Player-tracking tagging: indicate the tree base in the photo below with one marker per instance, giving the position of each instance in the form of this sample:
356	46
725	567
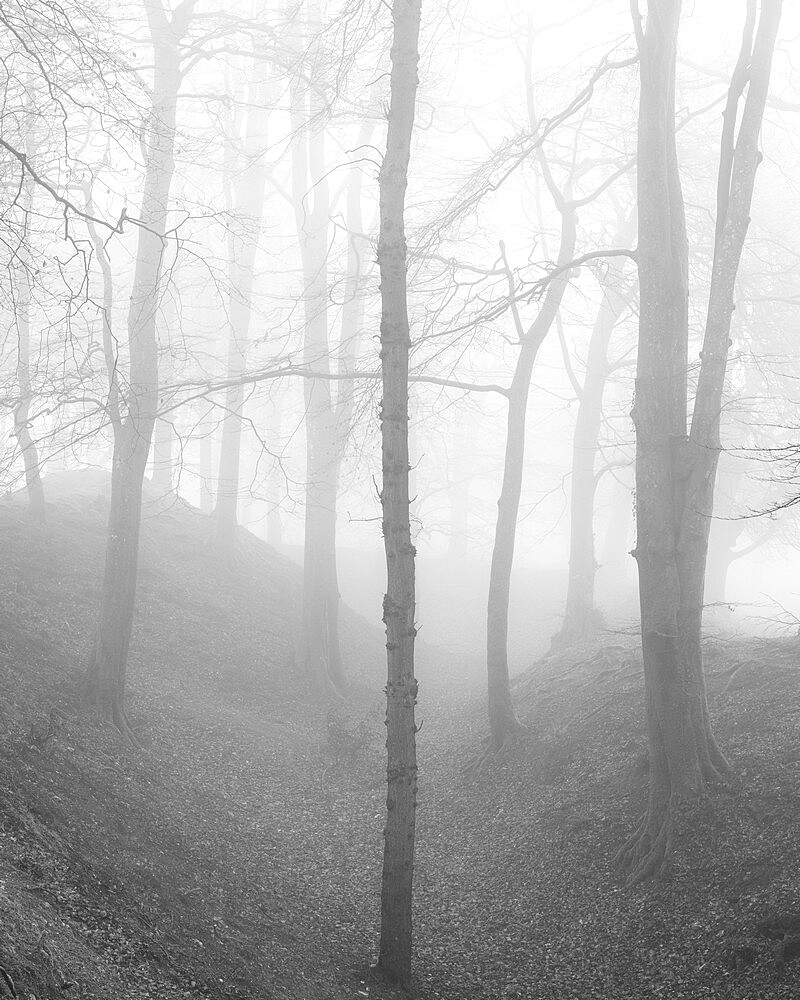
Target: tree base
645	853
109	711
578	629
380	976
496	745
226	549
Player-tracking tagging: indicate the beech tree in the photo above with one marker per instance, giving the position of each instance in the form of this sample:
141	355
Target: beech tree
503	722
105	679
580	613
676	470
394	959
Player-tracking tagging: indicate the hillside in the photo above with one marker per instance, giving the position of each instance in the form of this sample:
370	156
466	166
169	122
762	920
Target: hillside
237	852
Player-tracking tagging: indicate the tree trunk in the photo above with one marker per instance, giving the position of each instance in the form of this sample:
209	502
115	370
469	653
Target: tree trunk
318	653
720	559
580	614
105	679
675	472
246	199
22	313
503	722
398	607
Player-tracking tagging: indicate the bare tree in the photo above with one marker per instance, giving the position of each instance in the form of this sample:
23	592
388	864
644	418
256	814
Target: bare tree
676	471
22	272
319	654
394	960
105	679
580	613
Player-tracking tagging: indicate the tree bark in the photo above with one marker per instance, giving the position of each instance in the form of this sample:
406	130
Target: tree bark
394	959
675	472
105	679
503	722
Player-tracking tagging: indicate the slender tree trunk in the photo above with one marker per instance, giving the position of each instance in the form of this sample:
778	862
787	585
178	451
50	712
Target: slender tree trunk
503	722
22	313
247	200
580	614
675	472
22	409
105	680
394	959
318	653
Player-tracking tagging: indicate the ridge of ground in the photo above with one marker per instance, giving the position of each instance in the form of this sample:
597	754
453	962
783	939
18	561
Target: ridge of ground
237	852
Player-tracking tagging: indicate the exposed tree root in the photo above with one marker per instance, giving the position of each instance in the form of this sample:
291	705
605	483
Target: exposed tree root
494	748
644	853
120	721
109	710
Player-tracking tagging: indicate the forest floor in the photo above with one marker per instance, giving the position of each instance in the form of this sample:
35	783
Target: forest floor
236	853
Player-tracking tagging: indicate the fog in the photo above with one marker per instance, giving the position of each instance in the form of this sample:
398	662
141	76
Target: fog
335	330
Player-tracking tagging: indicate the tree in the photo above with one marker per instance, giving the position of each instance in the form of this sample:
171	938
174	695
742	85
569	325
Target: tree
105	679
394	959
580	613
503	722
245	196
675	471
319	655
328	414
22	272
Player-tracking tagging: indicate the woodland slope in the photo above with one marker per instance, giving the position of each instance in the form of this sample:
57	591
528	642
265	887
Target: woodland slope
236	852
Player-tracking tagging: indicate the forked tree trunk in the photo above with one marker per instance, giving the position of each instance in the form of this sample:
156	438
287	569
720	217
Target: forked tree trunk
247	199
580	613
675	473
503	722
394	959
105	679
